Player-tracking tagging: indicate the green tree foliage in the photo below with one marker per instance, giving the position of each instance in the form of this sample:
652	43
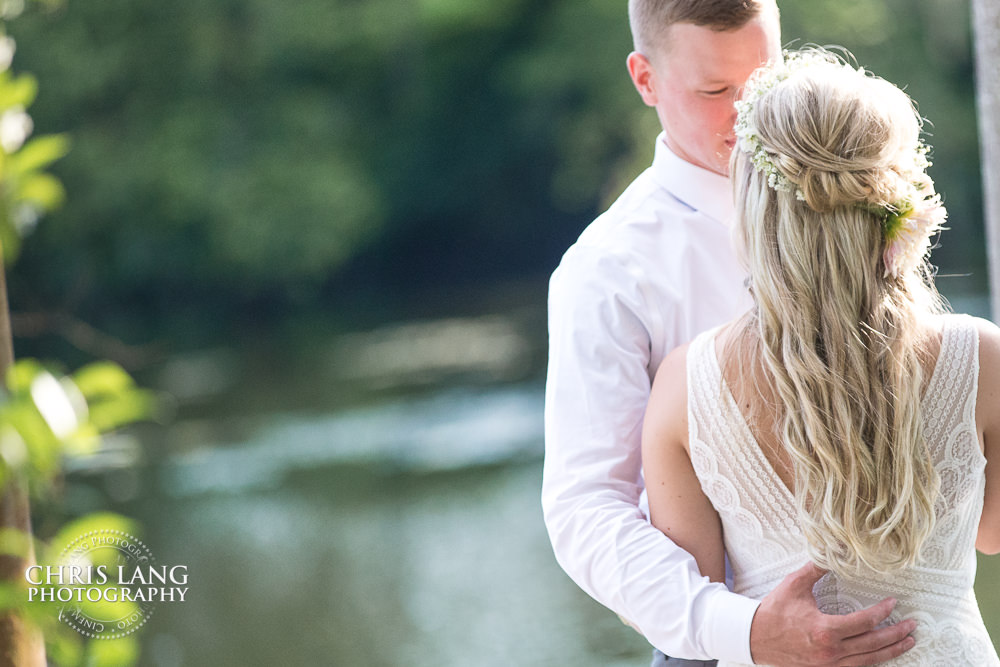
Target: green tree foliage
47	416
241	149
255	145
28	190
64	646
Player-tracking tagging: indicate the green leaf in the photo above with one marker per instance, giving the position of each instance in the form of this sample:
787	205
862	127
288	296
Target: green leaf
90	523
11	595
102	378
124	409
15	542
44	449
9	239
23	431
105	608
20	91
22	374
39	153
84	441
63	648
112	652
43	189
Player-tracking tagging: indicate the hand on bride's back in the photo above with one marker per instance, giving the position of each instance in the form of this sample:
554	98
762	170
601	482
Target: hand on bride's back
789	630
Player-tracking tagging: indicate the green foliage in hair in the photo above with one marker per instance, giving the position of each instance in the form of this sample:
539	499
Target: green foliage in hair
894	218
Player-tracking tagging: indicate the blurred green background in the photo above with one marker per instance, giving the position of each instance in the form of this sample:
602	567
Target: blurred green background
324	228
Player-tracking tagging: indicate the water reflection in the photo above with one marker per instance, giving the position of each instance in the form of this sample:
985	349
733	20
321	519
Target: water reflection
397	527
452	429
398	523
355	567
423	351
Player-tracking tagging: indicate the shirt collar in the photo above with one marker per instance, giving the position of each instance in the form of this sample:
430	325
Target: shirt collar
703	190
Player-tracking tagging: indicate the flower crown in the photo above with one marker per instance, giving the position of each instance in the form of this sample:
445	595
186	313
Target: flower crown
907	225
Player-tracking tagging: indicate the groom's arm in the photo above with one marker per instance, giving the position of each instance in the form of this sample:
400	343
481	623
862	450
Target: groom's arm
596	393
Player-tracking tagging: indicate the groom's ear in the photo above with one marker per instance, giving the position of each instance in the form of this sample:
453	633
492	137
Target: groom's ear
641	71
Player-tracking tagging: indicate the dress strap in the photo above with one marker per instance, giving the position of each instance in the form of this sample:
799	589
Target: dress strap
950	398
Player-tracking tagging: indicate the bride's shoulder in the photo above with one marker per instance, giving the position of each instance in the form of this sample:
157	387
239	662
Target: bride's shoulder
989	353
988	387
673	369
936	323
665	420
989	343
987	331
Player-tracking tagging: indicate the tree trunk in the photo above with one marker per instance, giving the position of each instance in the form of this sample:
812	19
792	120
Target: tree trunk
20	645
986	26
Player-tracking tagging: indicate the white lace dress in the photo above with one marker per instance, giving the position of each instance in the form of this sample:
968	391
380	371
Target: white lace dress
764	542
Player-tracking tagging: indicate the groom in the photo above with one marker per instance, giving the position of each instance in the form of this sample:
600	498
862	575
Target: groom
649	274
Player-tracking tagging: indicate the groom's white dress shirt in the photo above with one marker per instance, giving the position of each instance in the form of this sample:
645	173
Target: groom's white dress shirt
649	274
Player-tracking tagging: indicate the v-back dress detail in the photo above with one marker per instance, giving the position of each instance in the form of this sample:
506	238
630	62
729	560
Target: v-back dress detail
763	539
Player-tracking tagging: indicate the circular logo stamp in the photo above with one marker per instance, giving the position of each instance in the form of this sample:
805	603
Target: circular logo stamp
121	615
107	584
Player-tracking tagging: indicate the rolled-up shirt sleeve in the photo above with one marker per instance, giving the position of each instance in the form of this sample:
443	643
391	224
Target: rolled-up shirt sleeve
598	383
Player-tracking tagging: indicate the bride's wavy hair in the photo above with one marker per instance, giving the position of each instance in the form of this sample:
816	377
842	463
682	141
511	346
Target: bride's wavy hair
835	332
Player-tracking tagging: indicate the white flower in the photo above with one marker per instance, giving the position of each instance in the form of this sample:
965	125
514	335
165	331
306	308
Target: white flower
760	82
908	244
7	47
908	224
10	9
60	403
15	127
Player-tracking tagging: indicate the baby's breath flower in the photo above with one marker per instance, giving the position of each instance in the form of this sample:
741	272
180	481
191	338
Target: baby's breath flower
906	225
760	82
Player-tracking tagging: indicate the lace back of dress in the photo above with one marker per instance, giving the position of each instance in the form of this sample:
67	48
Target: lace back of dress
764	542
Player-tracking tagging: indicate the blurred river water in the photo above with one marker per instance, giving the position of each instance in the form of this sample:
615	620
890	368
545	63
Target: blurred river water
376	504
371	499
413	537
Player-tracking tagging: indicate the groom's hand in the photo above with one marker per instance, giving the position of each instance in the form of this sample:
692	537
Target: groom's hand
789	630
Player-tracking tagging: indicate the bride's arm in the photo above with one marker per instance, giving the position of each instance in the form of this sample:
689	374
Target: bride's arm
677	505
988	421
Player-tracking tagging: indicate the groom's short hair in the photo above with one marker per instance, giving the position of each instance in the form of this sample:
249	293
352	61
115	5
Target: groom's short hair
650	19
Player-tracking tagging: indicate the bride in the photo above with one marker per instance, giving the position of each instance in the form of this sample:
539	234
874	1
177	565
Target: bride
845	420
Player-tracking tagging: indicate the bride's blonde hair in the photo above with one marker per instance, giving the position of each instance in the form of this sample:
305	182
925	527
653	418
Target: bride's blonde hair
830	162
